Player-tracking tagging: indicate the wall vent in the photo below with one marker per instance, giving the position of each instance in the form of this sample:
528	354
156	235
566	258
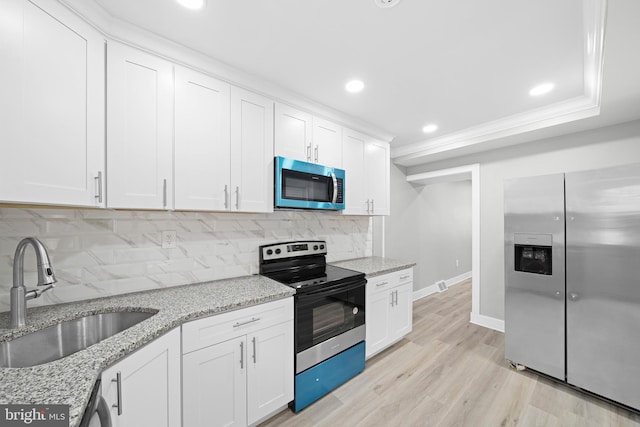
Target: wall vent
386	3
442	285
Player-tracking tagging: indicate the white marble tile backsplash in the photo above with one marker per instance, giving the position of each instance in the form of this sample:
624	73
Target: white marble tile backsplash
99	253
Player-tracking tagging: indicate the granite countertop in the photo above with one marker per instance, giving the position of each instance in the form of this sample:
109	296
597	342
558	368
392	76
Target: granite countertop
70	380
374	266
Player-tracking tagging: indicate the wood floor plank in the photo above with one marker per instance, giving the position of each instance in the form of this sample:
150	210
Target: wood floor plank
449	372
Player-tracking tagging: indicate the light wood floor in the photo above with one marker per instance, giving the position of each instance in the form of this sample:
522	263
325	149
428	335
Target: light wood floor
449	372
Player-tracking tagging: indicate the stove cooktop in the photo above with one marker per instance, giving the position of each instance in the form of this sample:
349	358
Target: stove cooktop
315	276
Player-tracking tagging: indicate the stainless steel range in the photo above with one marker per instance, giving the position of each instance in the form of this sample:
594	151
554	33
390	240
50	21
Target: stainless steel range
329	316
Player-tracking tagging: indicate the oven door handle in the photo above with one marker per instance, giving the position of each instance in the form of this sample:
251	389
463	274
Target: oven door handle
342	287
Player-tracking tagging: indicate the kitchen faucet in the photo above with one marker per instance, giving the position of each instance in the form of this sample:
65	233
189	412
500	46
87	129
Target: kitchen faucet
19	294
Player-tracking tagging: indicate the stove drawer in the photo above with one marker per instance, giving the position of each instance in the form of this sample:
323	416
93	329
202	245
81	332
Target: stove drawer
214	329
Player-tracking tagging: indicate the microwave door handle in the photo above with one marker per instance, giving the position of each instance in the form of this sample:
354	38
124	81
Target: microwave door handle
335	188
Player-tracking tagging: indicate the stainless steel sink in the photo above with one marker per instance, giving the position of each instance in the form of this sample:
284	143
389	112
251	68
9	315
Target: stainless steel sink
65	338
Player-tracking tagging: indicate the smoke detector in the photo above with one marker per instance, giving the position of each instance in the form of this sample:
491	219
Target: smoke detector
386	3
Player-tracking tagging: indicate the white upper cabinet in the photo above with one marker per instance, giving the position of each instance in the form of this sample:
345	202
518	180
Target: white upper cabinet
139	129
51	107
293	133
353	144
367	173
327	143
377	163
202	143
301	136
251	152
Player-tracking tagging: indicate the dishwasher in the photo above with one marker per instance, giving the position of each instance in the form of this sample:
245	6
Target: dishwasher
97	412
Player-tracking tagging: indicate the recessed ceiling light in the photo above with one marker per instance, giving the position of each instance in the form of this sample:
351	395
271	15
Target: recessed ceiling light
192	4
354	86
386	3
541	89
430	128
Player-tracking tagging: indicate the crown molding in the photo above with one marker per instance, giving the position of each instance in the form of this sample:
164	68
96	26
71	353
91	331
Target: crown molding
117	30
475	138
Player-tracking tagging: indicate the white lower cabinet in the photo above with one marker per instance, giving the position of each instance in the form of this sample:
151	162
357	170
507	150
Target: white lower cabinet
389	309
237	367
143	389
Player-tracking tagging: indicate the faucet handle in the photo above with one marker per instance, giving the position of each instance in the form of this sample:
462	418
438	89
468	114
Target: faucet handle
35	293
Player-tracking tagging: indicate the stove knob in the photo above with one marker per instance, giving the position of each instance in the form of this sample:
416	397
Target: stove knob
269	251
315	247
321	246
278	251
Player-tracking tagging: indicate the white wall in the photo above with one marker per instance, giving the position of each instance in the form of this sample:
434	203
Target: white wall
604	147
445	231
96	252
431	226
400	232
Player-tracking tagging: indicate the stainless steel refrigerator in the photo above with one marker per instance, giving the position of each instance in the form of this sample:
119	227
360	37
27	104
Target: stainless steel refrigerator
572	261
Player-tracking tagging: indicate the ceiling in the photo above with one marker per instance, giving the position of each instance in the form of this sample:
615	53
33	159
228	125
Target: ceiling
464	65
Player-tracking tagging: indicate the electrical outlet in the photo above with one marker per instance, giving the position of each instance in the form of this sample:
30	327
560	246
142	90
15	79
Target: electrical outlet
169	239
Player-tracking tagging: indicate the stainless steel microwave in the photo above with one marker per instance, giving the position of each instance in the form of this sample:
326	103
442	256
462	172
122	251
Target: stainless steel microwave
305	185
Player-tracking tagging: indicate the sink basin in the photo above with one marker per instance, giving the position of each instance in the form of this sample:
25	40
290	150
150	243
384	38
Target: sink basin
65	338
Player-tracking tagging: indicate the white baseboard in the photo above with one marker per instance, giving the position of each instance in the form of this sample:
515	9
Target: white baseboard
424	292
458	279
487	322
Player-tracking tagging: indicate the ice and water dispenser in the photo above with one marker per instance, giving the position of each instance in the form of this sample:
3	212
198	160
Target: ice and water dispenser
533	253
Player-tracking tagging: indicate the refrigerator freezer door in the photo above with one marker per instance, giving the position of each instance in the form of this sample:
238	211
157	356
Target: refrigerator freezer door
603	282
535	303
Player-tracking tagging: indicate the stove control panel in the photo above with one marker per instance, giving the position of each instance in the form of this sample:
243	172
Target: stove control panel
293	249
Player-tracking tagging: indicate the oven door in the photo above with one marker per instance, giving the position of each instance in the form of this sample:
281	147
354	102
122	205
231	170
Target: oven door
329	312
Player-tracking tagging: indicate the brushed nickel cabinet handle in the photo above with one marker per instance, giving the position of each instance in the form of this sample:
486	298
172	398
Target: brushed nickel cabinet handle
226	196
241	354
164	193
254	350
253	319
237	198
98	180
118	381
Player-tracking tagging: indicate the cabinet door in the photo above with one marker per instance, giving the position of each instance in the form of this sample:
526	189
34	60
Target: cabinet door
270	378
327	140
139	129
293	133
52	105
377	321
149	385
377	172
401	314
202	145
353	144
214	387
251	152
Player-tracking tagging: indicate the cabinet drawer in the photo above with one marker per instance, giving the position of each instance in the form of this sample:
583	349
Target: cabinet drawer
211	330
382	283
405	276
